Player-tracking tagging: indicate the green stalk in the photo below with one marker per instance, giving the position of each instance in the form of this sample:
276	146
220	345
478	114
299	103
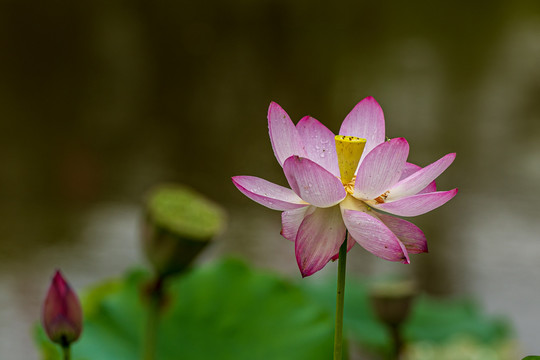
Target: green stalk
66	351
342	264
154	305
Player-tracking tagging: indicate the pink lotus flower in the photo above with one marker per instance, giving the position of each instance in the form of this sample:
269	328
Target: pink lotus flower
325	202
62	313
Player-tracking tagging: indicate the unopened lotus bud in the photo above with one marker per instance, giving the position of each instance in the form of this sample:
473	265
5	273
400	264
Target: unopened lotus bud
62	313
180	223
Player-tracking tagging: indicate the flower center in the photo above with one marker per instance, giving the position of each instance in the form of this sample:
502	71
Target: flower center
353	203
349	187
349	150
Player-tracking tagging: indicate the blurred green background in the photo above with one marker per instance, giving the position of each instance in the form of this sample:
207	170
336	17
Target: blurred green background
100	100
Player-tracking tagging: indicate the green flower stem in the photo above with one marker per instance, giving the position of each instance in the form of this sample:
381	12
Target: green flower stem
154	306
396	340
66	351
342	264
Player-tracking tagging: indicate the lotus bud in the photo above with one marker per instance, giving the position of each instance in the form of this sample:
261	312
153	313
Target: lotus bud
62	313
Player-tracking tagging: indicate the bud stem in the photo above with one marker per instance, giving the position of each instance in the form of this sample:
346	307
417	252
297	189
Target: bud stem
66	349
154	305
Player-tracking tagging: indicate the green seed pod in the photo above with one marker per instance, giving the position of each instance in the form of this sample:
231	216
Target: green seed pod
179	224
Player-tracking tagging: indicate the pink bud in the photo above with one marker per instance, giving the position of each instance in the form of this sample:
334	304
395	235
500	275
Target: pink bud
62	313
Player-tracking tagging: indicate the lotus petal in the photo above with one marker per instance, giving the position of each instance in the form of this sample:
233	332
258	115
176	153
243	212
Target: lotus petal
291	220
284	136
374	236
420	179
409	234
313	183
366	120
271	195
411	169
319	143
417	204
319	237
381	169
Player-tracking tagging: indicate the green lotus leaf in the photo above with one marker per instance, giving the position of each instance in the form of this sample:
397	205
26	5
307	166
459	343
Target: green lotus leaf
220	311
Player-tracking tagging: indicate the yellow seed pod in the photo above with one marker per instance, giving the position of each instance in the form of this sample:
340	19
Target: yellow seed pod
349	150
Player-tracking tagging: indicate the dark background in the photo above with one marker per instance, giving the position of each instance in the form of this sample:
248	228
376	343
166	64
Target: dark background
100	100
